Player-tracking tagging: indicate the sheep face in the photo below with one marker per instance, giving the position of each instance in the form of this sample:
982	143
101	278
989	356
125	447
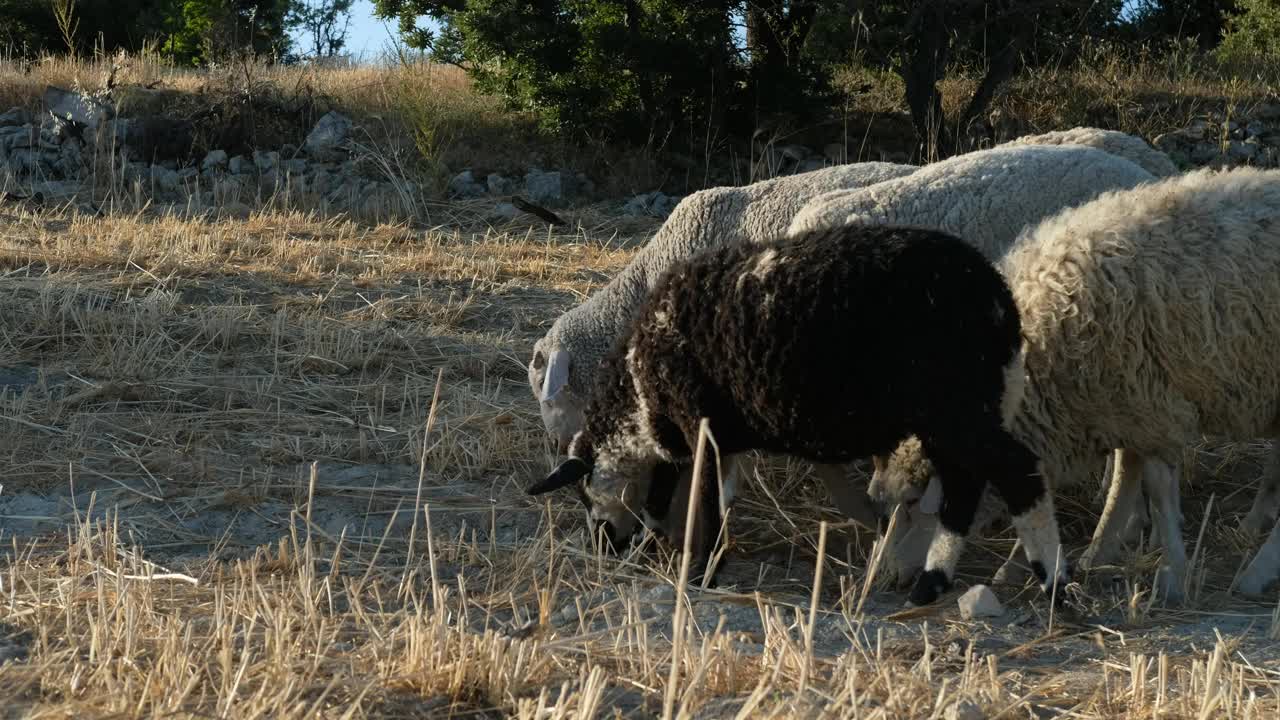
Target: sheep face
561	408
613	486
905	477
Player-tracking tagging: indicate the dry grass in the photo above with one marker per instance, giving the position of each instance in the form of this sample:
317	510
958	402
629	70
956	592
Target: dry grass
270	466
223	432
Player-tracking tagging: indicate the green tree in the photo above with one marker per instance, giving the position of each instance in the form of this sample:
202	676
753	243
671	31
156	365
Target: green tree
1252	33
210	30
324	22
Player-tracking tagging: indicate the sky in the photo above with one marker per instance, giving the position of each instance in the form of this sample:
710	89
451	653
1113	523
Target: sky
368	34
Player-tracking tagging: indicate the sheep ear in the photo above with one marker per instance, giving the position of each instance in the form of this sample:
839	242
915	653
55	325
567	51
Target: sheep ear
568	473
931	501
557	374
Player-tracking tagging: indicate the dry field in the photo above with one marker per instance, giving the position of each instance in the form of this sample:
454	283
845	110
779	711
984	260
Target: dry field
272	467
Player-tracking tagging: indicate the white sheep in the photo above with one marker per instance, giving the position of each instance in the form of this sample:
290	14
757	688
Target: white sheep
1130	147
1152	319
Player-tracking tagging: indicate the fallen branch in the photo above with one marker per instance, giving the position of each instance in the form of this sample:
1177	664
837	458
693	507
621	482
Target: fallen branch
545	214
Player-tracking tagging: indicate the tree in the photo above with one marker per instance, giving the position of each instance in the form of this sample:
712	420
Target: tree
1205	21
325	23
210	30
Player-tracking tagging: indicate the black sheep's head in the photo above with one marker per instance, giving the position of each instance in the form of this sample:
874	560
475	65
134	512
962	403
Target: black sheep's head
620	497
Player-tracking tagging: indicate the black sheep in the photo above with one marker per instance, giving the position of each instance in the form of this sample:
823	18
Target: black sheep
830	346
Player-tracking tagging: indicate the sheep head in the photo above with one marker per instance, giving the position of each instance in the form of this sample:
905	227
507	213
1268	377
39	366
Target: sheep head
905	477
615	485
561	409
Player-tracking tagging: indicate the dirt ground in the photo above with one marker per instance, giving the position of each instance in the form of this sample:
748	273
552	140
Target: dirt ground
273	468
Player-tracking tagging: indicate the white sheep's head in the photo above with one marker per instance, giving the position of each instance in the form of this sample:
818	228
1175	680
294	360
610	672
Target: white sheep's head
562	410
621	491
905	477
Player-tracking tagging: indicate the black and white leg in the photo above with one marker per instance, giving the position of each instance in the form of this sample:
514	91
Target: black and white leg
962	486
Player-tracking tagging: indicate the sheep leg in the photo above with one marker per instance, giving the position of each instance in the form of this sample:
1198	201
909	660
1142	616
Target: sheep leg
1123	495
1018	481
850	501
961	490
1161	484
1264	568
1266	504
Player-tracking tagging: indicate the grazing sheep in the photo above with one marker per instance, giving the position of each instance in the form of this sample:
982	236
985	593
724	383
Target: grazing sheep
985	197
1152	318
566	360
765	341
1132	148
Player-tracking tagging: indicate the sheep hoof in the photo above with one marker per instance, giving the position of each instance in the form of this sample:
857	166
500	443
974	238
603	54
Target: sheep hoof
1169	586
929	587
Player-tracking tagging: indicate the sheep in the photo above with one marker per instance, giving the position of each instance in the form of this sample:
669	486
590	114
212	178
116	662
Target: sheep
1151	318
1132	148
764	340
566	360
985	197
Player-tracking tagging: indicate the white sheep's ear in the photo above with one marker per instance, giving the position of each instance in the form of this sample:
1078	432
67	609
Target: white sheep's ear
931	501
557	374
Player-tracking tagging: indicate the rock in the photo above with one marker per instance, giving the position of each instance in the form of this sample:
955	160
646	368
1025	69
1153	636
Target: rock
163	178
499	185
328	139
464	186
545	188
835	153
266	161
18	137
76	106
654	204
979	602
504	211
15	117
188	173
794	153
1241	151
321	182
1267	111
289	150
1255	129
295	167
214	160
237	165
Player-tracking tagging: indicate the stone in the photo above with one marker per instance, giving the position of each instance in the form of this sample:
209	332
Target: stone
654	204
835	153
979	602
18	137
1267	111
545	188
15	117
499	185
214	160
328	140
79	107
163	178
504	211
464	186
295	167
289	150
1255	129
1241	151
237	165
321	182
266	161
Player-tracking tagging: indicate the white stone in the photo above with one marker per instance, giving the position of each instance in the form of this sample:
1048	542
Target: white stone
979	602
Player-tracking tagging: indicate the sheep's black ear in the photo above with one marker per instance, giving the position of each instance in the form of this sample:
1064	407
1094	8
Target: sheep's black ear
568	473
